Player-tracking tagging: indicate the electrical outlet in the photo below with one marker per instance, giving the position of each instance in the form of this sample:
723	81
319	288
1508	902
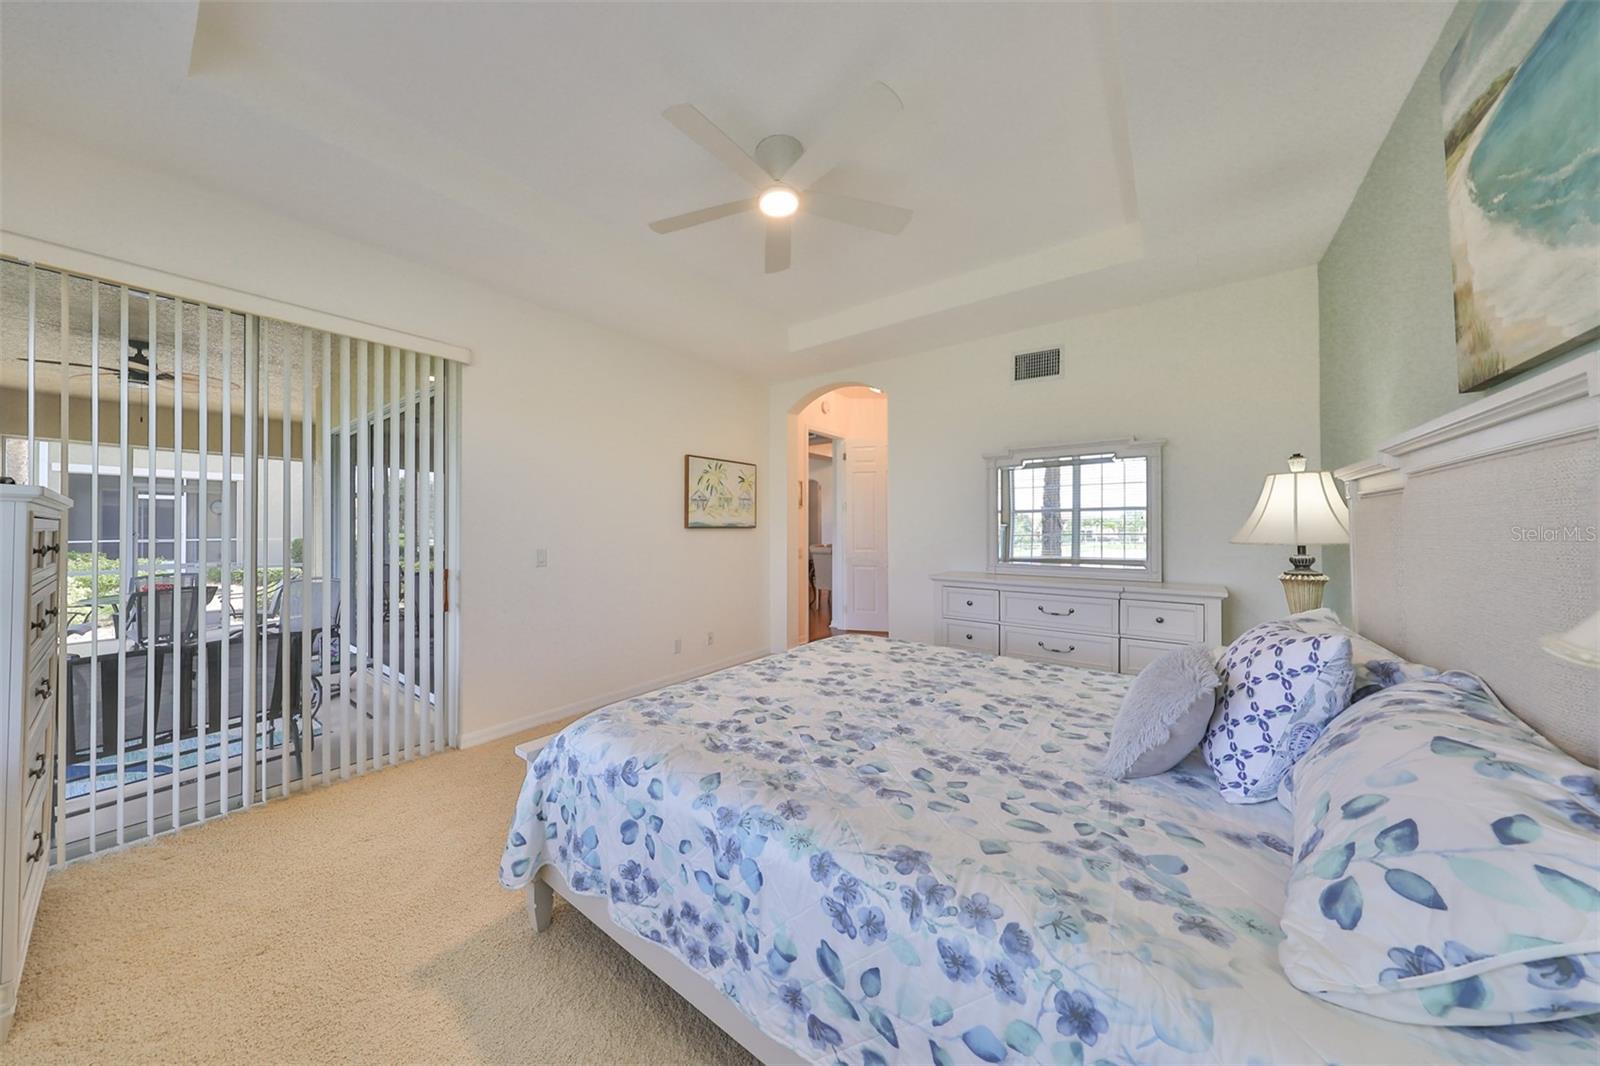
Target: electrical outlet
711	638
677	646
541	557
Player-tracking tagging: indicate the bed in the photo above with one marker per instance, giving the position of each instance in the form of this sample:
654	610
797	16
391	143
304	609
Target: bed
869	850
882	851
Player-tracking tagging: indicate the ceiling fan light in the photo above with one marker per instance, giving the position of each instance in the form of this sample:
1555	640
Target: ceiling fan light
778	202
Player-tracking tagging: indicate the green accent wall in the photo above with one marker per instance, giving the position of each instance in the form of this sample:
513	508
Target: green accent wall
1384	296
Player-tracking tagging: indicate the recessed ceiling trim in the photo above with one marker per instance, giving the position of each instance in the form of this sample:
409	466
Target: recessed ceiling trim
1085	255
1109	59
300	99
482	143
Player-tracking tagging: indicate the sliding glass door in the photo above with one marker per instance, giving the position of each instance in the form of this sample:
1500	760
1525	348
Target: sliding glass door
259	545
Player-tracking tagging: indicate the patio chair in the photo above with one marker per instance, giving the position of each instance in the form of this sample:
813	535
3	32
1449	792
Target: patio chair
274	711
299	593
80	679
132	622
80	618
128	691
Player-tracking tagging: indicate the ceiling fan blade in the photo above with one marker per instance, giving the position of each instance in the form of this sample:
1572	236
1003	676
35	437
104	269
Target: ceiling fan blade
702	131
885	218
705	214
54	362
778	230
870	112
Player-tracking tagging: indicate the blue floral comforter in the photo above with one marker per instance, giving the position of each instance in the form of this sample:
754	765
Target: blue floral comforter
885	851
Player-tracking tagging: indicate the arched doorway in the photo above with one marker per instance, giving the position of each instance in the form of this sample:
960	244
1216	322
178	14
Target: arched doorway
837	574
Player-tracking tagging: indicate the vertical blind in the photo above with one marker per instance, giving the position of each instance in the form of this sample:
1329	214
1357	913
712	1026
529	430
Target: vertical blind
263	530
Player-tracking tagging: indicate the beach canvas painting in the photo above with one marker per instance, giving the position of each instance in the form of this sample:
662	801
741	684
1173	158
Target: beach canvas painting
1522	177
718	493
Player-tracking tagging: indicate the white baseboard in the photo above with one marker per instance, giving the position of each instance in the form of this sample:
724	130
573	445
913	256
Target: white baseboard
474	737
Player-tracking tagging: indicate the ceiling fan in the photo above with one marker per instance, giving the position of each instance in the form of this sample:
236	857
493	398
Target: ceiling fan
138	365
784	172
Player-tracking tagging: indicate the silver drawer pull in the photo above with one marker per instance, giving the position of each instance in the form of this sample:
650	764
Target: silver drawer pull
44	689
1058	614
1059	651
38	771
38	847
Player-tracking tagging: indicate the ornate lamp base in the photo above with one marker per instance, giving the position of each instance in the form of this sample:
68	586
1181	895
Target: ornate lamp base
1303	589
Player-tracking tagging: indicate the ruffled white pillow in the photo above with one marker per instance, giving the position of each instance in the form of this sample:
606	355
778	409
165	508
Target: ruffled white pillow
1164	714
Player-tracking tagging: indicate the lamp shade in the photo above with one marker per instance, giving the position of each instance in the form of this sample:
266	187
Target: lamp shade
1300	507
1580	644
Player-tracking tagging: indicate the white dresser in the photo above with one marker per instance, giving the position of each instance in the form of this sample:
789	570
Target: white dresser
33	542
1103	625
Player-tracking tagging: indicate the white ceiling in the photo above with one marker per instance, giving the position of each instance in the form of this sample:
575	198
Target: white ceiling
1060	158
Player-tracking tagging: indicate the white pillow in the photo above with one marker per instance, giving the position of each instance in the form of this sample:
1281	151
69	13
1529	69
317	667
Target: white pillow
1280	687
1445	864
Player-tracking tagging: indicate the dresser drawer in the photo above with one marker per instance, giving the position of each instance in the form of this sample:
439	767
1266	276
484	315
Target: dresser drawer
1055	610
34	863
1184	623
43	617
42	683
1138	653
974	636
34	760
982	605
1074	649
35	828
44	546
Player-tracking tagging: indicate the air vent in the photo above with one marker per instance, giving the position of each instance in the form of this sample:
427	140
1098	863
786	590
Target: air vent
1031	365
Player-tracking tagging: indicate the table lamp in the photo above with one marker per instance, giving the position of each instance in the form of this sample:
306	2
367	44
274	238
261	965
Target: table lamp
1580	644
1299	508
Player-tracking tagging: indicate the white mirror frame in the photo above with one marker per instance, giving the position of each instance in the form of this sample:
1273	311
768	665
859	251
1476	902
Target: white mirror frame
1122	448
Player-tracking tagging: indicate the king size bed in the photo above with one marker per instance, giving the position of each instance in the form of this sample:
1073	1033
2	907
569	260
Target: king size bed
869	851
882	851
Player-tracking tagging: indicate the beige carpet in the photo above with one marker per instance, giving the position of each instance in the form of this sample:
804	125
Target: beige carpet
359	923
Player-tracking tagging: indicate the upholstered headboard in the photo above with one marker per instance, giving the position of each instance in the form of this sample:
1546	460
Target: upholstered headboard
1475	535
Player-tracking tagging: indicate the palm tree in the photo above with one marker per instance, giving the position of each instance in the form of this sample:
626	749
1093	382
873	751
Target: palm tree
713	482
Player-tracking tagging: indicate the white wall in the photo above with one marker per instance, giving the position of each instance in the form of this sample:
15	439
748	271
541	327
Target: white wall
573	437
1227	376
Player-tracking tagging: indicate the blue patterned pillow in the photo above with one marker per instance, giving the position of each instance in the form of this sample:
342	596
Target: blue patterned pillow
1376	666
1445	864
1281	686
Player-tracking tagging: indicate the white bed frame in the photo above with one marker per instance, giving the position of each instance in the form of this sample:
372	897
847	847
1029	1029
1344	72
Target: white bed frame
1437	575
683	979
1478	532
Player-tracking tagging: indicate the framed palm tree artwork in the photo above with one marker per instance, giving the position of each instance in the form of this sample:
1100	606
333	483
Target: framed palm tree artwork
718	493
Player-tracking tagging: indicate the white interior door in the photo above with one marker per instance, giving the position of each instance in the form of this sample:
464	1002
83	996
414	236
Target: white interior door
864	521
